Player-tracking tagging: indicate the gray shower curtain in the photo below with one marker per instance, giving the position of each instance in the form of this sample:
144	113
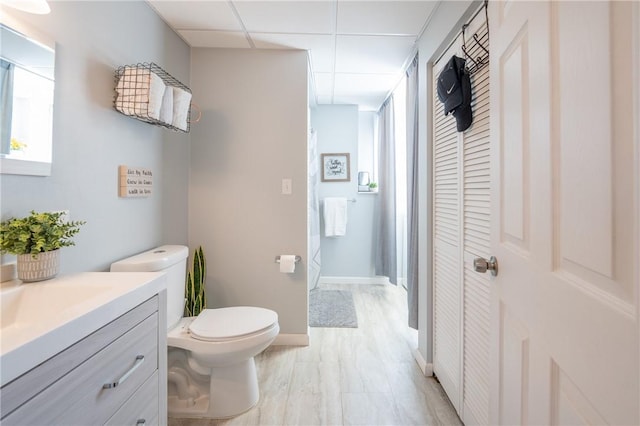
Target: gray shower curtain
412	193
386	253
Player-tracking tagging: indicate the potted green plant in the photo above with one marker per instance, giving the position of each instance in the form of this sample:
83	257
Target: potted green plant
36	240
194	292
373	186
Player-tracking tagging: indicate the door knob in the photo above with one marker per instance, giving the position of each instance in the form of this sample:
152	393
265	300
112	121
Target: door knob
482	265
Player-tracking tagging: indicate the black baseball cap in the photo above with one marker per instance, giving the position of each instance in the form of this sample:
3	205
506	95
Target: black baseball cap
454	90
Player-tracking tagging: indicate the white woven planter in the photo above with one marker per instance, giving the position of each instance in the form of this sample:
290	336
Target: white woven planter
43	267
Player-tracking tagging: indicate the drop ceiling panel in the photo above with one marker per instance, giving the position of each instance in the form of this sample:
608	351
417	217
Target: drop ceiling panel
353	84
383	17
366	90
321	47
222	39
372	54
365	42
312	17
367	102
197	15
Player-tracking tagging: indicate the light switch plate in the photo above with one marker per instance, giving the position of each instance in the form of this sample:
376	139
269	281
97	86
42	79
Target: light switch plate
287	186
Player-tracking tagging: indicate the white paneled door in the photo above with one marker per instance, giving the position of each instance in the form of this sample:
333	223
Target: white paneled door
565	95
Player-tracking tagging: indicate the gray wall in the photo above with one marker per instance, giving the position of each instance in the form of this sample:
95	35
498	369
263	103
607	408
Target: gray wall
91	139
352	254
253	133
444	25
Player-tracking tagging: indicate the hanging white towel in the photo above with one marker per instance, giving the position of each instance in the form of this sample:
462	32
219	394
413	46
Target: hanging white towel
335	216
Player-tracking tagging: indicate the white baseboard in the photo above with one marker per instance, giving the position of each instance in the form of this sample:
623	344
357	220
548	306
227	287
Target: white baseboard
354	280
291	340
427	368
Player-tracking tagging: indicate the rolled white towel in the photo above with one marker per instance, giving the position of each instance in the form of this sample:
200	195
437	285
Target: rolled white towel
133	78
126	88
140	92
131	104
166	110
181	104
156	92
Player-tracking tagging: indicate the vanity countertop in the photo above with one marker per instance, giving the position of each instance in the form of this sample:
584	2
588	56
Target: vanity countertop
40	319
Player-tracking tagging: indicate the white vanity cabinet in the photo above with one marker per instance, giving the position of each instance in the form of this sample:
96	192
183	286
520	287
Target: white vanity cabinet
115	375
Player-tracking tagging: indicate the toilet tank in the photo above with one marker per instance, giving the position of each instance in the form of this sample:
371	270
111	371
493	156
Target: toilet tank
169	259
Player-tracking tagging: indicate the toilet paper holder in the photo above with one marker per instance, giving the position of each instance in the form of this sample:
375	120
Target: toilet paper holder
298	259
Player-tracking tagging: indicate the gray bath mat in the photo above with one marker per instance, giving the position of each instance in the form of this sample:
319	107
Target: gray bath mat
332	308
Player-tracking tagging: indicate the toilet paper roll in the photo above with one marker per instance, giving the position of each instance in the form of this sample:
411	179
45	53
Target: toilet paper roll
287	263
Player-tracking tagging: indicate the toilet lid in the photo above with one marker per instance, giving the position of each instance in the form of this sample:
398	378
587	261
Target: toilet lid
228	323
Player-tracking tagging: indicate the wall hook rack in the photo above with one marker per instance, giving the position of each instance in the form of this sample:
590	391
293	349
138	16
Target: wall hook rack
478	49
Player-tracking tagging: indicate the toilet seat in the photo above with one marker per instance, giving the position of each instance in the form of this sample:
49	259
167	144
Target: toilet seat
216	325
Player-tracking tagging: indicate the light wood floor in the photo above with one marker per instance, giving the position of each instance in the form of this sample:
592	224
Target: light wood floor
348	376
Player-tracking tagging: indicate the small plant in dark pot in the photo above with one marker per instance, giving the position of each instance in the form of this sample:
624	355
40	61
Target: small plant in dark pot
36	240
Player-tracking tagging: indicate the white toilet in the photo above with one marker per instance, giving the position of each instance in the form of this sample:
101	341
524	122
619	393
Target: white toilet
211	373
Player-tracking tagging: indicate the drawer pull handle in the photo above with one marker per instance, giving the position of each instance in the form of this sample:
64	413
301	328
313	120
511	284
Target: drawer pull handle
125	376
141	422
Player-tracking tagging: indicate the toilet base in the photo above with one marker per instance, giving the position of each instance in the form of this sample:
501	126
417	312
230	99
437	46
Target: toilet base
232	390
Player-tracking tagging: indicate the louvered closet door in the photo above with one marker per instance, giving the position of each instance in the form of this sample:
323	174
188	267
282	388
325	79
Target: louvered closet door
476	243
461	233
446	251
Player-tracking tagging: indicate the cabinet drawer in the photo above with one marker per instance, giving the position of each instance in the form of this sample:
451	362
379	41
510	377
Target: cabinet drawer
141	409
16	393
79	398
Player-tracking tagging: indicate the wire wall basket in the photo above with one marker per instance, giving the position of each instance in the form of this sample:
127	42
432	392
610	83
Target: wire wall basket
147	92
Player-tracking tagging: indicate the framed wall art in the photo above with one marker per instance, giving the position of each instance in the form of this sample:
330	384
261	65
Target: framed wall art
336	167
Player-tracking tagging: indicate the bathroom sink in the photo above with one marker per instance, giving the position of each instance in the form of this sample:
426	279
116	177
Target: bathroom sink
38	320
30	304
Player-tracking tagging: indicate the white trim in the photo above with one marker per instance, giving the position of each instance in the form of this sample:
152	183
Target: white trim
636	66
8	272
291	340
354	280
426	368
10	166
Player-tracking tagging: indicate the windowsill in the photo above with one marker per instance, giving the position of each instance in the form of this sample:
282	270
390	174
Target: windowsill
368	192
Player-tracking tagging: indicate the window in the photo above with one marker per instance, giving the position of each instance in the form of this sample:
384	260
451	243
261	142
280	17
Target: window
32	117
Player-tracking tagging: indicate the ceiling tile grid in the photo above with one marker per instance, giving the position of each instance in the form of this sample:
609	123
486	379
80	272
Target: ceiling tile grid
372	54
218	39
293	17
321	47
198	15
357	48
383	17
